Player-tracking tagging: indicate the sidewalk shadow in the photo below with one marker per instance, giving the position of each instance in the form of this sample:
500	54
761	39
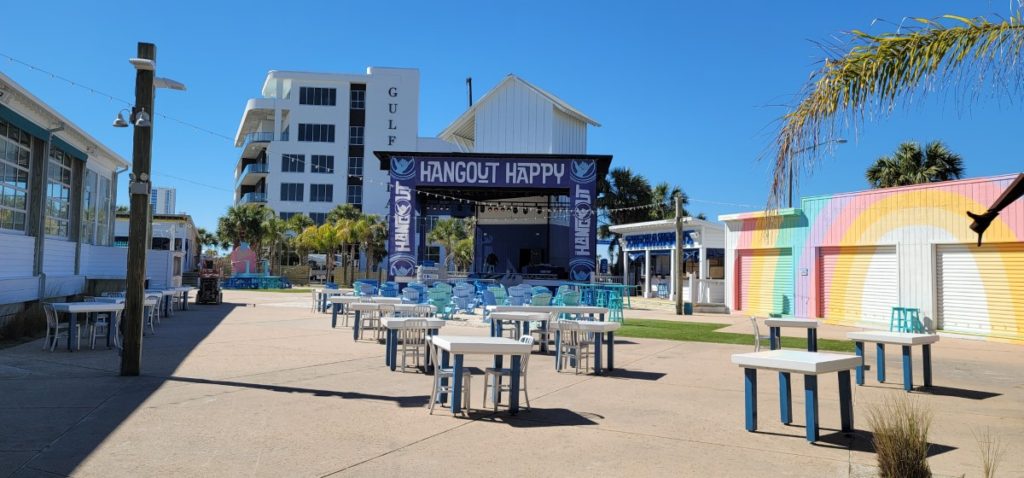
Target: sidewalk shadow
863	441
412	401
957	392
634	374
539	418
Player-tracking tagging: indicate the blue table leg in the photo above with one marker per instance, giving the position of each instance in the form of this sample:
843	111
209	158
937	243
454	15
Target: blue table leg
750	394
880	351
544	334
611	351
457	385
597	354
926	361
811	406
845	401
773	338
334	313
72	323
445	363
392	346
513	400
812	340
355	327
908	369
558	350
785	398
526	328
859	348
493	320
184	304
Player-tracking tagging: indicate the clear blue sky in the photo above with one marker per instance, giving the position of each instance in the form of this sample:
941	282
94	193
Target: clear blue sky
683	89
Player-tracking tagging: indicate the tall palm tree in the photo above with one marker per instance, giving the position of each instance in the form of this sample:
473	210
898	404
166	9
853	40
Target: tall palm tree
344	211
323	238
276	237
664	195
206	238
910	165
244	223
299	222
873	75
622	189
462	255
448	232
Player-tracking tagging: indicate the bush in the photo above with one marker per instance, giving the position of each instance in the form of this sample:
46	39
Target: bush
991	450
900	425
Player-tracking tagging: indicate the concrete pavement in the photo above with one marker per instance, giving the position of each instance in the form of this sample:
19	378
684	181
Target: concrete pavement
261	386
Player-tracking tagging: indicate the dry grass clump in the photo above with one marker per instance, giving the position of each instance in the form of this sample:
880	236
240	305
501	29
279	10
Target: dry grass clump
991	450
900	425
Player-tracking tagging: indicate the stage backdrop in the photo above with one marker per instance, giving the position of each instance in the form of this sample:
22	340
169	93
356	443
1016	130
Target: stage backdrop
578	177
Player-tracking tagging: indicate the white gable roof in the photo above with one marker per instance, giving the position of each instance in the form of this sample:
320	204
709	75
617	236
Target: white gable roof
463	127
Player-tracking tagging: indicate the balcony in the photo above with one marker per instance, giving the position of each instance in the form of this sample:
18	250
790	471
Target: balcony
253	198
251	174
257	137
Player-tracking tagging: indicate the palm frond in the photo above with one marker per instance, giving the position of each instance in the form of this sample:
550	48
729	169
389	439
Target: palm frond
878	72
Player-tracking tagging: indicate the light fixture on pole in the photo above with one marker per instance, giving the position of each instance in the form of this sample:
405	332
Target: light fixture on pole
140	119
789	190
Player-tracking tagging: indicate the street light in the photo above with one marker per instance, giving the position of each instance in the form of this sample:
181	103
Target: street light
139	188
801	150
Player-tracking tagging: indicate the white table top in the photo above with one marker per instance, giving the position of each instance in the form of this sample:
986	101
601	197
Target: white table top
402	322
521	316
898	338
351	299
798	361
411	307
332	291
461	344
798	323
364	306
77	307
161	291
592	326
569	309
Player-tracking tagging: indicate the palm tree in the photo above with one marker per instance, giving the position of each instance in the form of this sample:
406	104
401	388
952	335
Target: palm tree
622	189
206	238
324	238
909	165
299	222
344	211
664	195
463	254
244	223
448	232
276	237
875	74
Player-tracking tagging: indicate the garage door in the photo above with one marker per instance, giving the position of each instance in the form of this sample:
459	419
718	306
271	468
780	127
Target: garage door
981	290
858	285
765	281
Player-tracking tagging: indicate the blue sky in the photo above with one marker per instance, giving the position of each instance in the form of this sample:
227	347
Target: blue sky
684	90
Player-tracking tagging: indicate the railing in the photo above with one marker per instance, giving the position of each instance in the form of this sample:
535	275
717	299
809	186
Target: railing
250	198
254	168
257	137
705	291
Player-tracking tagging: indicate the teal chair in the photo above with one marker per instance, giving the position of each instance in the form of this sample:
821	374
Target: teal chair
906	319
615	307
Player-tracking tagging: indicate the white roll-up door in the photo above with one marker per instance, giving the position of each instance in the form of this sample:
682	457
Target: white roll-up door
981	290
764	281
858	285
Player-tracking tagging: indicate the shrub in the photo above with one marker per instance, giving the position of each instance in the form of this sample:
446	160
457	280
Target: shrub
900	425
991	450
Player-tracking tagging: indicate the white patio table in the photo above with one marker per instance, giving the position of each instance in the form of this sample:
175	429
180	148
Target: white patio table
903	339
603	332
455	347
396	324
75	308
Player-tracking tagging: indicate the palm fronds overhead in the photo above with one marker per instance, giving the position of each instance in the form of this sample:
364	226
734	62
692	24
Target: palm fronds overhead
872	74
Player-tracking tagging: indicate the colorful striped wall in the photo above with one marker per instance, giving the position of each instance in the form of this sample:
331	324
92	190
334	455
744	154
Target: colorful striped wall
917	220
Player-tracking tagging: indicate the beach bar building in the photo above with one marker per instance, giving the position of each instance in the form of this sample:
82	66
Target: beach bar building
849	258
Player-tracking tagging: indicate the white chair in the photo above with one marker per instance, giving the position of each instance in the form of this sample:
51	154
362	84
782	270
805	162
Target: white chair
152	315
575	345
383	310
449	373
98	321
758	338
545	334
422	310
494	378
313	302
370	320
55	330
412	339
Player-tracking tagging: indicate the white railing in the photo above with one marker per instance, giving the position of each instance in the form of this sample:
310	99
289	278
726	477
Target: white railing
705	291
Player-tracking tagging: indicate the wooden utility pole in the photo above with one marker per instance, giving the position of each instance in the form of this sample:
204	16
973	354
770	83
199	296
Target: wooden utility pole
677	272
139	188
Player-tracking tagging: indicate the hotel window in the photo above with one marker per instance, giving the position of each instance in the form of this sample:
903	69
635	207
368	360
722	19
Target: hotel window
287	215
14	169
318	217
58	193
316	133
321	163
321	193
355	166
293	163
291	191
357	99
96	209
355	194
318	96
355	135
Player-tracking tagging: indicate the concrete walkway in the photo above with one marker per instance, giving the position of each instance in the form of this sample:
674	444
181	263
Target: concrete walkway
261	386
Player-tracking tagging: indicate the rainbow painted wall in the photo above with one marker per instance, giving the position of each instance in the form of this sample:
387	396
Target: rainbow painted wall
848	258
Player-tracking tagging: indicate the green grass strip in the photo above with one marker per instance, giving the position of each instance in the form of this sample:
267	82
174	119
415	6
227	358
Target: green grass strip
708	332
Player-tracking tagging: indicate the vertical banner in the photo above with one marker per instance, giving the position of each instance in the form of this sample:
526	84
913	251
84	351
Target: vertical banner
402	237
582	194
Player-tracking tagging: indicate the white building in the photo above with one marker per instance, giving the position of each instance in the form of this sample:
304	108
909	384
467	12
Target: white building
308	140
175	233
161	200
56	217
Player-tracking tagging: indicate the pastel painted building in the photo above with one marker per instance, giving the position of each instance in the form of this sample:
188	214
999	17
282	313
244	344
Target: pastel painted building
849	258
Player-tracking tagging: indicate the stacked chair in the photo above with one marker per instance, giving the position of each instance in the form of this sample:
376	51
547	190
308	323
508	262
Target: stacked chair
464	297
389	289
441	298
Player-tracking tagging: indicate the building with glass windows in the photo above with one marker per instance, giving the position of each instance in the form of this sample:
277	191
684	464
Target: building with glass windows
306	139
58	187
161	200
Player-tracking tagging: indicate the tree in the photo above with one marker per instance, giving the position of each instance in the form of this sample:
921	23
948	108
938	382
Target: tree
206	238
276	237
344	212
627	198
323	238
448	232
462	254
121	209
299	222
664	195
244	223
872	75
910	165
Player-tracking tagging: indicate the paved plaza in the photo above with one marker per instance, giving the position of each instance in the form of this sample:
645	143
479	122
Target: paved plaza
262	386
